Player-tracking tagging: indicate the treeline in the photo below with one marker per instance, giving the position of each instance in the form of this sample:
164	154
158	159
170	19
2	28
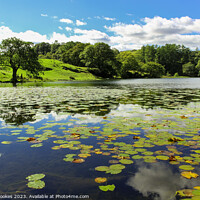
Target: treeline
150	61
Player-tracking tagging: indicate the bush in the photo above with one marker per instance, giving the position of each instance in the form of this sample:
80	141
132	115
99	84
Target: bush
153	70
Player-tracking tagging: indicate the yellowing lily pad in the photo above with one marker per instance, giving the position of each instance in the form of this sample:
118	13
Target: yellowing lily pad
189	174
6	142
100	180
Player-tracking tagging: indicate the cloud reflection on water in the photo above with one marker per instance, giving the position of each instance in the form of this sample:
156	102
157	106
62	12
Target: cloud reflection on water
158	180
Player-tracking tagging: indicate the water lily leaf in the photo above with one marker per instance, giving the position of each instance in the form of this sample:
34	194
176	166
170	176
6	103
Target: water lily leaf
113	171
6	142
189	174
100	180
38	184
195	198
125	161
76	160
186	167
56	147
68	159
196	192
35	177
137	157
84	155
15	133
185	193
117	166
37	145
102	168
162	157
107	188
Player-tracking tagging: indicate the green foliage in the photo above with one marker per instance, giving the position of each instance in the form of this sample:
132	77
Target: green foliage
153	70
176	75
147	53
189	69
101	58
71	56
128	63
42	48
172	56
198	68
19	54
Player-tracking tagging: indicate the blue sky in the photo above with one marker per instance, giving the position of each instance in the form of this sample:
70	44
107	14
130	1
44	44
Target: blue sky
123	24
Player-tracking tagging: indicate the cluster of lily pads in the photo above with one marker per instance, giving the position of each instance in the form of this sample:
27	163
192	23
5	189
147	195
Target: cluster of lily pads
35	182
125	135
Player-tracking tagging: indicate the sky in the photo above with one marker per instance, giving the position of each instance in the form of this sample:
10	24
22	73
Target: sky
123	24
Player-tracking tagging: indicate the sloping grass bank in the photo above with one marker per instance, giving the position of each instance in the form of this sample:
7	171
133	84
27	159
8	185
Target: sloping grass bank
54	71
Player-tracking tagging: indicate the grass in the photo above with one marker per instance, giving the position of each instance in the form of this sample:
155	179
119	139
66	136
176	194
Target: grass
55	71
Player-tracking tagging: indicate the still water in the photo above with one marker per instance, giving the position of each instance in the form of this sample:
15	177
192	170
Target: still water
141	135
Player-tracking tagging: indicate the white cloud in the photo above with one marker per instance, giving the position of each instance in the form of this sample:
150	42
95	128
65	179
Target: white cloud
55	17
68	28
91	36
29	35
58	36
44	15
80	23
109	19
68	21
156	30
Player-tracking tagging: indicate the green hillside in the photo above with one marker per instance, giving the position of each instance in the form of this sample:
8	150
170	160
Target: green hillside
54	70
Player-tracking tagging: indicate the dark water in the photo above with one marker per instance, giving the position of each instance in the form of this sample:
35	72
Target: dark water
100	118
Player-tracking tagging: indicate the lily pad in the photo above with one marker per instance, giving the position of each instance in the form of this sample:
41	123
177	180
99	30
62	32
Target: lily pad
189	174
35	177
38	184
186	167
126	161
6	142
100	180
107	188
102	168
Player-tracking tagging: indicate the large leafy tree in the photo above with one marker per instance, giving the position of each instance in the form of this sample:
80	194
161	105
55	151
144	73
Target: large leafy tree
99	58
128	64
153	70
42	48
172	56
189	69
19	54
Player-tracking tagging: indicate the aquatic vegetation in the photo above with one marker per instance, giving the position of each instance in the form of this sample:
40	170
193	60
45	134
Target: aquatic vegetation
35	181
119	128
107	188
100	180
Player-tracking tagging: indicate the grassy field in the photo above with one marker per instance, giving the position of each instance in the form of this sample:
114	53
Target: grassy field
54	71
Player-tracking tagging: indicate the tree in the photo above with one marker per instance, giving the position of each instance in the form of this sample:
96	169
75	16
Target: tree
172	56
198	68
71	55
42	48
189	69
100	59
19	54
153	70
128	64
